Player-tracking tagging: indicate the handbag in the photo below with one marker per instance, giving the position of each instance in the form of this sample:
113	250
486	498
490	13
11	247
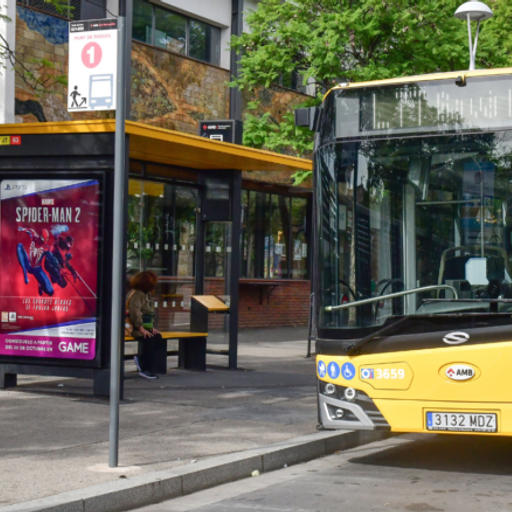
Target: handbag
128	326
153	353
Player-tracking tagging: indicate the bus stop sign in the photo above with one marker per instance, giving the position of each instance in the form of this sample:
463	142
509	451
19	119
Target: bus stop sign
92	65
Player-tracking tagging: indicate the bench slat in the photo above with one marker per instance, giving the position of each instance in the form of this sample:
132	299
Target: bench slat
173	335
210	302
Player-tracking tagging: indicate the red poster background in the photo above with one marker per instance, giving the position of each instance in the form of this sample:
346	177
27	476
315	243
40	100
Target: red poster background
62	209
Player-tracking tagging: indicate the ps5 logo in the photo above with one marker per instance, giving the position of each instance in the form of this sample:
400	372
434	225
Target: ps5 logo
8	186
456	338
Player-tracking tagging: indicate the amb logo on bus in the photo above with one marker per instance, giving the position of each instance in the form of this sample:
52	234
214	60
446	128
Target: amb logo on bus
459	371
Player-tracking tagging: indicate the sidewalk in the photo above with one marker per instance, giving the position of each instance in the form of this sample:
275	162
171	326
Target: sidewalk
54	433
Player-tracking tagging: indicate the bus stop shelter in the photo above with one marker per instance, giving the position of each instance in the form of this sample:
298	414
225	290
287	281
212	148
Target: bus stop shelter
56	195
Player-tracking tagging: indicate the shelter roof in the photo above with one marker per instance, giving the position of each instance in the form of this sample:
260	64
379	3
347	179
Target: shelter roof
160	145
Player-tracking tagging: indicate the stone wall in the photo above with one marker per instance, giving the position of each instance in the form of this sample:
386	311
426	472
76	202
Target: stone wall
176	92
41	53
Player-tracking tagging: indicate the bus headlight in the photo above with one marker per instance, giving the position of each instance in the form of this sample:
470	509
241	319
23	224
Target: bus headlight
349	394
330	388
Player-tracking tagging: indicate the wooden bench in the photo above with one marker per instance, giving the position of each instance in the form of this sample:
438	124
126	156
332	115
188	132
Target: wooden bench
191	348
192	344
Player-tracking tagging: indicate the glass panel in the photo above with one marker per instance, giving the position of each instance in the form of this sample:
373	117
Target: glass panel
274	234
170	30
203	41
360	233
142	21
279	236
247	234
185	215
134	234
399	214
467	195
151	224
258	240
217	248
334	246
299	238
199	40
161	237
72	11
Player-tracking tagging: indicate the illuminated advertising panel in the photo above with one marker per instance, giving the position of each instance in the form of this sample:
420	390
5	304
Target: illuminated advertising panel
49	273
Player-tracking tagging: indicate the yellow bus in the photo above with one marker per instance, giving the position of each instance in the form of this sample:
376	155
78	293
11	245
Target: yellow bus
413	247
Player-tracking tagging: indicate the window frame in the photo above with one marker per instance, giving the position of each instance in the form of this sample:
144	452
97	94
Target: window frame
212	42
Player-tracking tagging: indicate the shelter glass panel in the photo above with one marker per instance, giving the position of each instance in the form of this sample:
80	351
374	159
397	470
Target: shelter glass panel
299	238
274	238
161	237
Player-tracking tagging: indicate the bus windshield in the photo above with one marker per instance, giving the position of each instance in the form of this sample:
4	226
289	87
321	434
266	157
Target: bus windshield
401	213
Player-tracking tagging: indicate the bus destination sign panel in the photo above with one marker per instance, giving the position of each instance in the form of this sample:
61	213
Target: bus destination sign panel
484	103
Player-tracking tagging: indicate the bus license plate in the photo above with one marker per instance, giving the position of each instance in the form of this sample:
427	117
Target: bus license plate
462	421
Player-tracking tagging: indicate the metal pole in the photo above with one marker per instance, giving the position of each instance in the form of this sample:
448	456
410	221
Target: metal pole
235	95
475	44
471	63
394	295
236	205
118	245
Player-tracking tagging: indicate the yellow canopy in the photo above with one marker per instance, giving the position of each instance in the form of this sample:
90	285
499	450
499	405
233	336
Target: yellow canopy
159	145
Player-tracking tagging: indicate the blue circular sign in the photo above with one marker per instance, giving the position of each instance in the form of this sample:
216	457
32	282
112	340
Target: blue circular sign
322	369
348	371
333	369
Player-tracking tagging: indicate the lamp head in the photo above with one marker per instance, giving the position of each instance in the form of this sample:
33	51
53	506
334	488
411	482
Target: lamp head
477	11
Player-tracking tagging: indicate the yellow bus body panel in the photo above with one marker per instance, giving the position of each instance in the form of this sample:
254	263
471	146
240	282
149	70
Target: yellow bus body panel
404	385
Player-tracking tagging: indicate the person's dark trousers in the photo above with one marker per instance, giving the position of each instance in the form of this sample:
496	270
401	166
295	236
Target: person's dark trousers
153	354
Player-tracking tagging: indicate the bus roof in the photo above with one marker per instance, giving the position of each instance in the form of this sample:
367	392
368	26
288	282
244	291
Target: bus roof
422	78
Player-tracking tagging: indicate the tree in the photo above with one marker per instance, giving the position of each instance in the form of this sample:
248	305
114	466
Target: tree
328	41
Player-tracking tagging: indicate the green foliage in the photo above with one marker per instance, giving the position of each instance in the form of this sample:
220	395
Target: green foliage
61	7
328	41
266	132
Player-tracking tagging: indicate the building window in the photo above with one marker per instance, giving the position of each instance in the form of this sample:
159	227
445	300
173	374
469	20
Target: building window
175	32
274	236
170	31
69	10
295	81
142	22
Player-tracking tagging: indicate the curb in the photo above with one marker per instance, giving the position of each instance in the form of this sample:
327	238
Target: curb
158	486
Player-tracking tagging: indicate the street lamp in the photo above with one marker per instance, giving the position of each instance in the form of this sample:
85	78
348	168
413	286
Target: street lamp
473	11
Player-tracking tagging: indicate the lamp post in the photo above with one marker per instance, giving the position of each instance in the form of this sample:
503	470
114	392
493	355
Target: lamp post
473	11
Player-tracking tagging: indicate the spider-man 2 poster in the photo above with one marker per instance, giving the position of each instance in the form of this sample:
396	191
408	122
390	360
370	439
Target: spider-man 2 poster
48	277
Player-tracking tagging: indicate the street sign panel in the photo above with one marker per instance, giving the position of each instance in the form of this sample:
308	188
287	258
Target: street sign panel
92	65
227	130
